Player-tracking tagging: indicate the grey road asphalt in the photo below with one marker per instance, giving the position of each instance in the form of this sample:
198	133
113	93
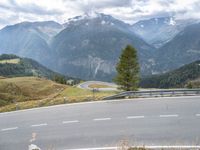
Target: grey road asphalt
154	121
85	85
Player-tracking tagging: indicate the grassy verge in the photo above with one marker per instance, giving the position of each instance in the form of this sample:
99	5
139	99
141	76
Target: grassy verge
99	86
68	95
74	94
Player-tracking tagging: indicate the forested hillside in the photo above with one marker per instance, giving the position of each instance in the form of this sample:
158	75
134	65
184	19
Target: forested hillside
14	66
174	79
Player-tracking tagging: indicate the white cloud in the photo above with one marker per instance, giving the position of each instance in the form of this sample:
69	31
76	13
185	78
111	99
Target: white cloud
14	11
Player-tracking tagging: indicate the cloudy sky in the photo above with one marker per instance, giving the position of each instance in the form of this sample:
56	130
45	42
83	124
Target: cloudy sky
130	11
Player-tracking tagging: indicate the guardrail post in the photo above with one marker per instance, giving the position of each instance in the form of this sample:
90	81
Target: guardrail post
17	106
39	103
198	92
150	93
161	93
64	100
173	93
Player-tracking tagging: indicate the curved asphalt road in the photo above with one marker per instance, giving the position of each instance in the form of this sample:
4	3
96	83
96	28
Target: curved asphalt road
85	85
167	121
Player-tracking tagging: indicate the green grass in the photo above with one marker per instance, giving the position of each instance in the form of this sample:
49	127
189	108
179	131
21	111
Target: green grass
10	61
74	94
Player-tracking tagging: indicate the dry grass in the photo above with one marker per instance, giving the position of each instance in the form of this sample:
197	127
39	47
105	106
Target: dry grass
23	89
1	77
99	86
30	87
10	61
30	92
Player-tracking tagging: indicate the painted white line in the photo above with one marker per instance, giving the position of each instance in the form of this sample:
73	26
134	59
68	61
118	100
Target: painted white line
167	116
148	147
134	117
101	119
197	115
8	129
72	121
39	125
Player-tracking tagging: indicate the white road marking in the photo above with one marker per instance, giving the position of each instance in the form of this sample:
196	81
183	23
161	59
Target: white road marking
148	147
198	115
101	119
8	129
134	117
39	125
167	116
71	121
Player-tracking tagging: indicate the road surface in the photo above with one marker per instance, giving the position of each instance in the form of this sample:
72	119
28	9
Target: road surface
111	86
153	121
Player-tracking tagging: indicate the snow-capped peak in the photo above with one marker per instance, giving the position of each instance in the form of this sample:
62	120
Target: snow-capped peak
172	22
87	15
91	15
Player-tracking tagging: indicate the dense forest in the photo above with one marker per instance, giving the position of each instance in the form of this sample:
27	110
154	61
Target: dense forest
178	78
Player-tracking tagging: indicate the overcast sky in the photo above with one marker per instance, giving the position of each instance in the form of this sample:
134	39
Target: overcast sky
15	11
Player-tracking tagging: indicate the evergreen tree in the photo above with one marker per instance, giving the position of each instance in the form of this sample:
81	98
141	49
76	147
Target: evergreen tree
127	77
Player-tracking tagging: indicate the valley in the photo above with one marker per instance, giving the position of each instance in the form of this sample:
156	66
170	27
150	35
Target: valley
88	48
99	74
24	83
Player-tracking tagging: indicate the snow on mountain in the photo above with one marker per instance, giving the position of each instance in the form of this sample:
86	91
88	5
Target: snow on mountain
158	31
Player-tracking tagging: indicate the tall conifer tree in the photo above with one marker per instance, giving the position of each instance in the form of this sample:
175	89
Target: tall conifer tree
128	69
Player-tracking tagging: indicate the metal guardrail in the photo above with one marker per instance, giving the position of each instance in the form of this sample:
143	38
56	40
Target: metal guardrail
155	93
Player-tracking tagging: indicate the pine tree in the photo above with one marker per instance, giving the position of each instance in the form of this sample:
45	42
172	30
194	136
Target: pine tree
127	77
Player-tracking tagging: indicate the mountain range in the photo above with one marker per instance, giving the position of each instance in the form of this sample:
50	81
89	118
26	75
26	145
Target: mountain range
88	47
159	31
183	49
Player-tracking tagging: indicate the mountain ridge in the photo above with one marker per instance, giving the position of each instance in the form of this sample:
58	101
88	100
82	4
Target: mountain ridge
94	45
87	46
183	49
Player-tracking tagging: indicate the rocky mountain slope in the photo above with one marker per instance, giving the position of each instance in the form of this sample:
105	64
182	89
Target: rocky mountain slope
89	47
29	39
158	31
183	49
